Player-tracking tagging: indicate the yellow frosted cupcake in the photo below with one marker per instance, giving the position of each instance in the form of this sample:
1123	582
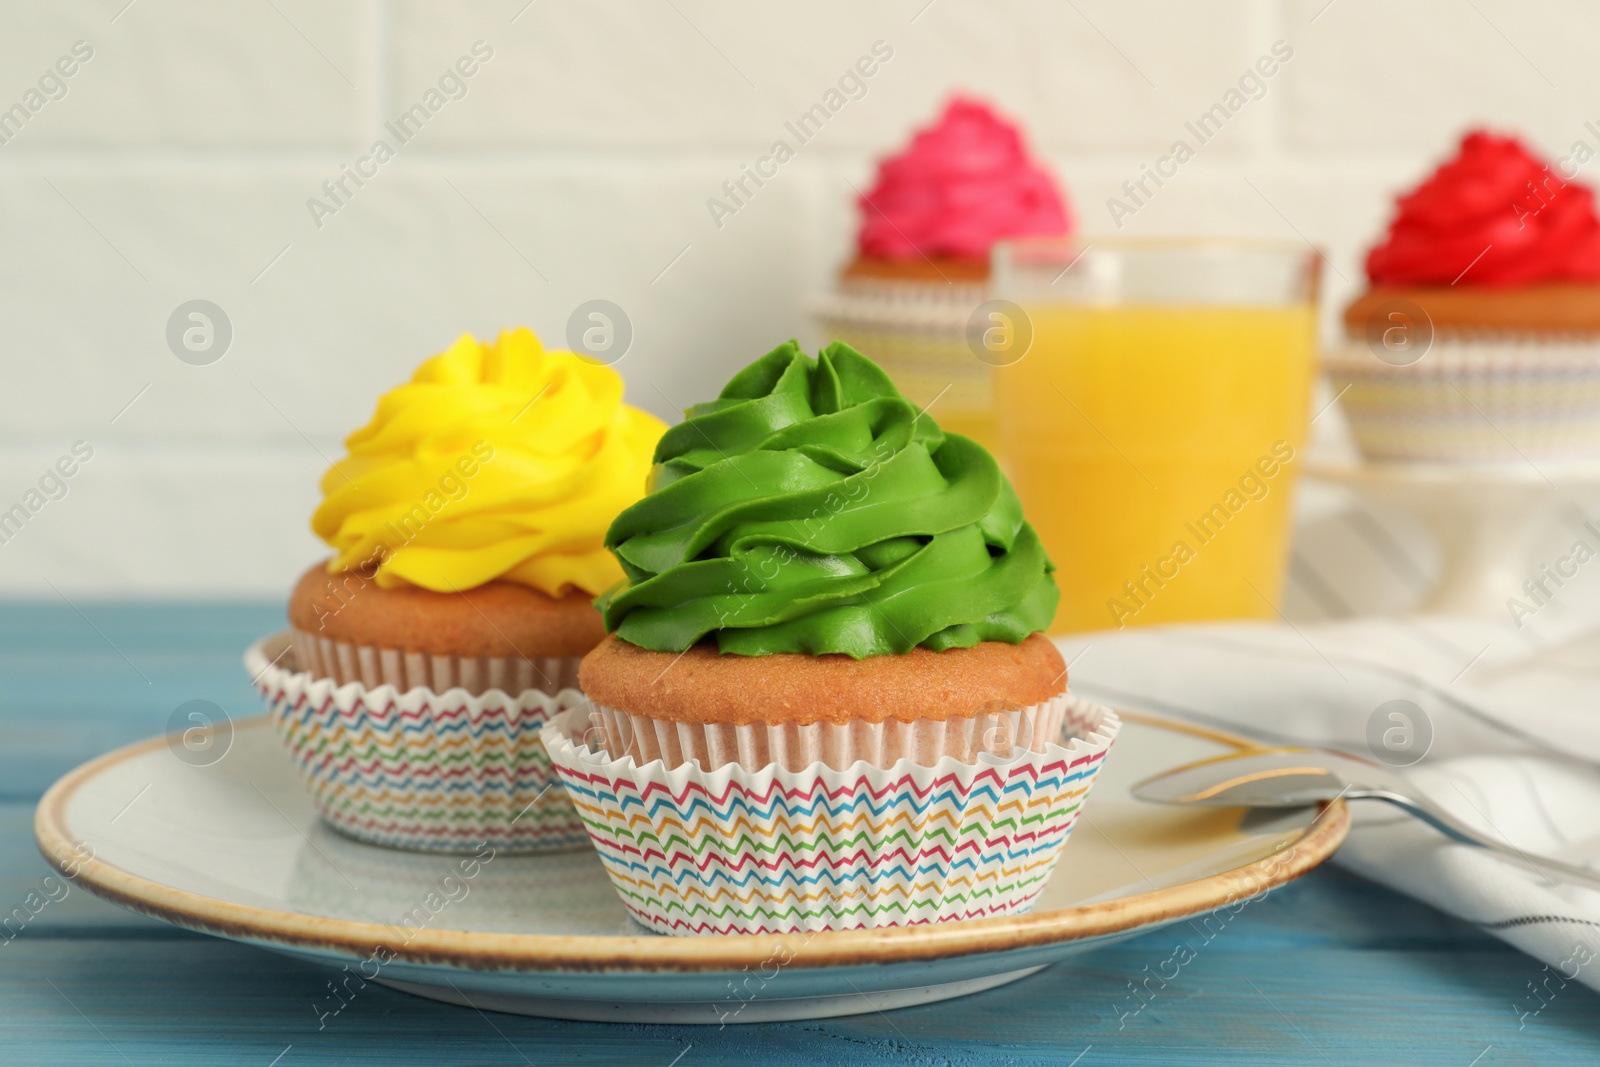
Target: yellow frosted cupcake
468	525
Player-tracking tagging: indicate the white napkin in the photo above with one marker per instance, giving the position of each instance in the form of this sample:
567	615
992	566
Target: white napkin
1515	722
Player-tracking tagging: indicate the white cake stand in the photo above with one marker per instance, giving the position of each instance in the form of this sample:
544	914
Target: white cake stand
1485	517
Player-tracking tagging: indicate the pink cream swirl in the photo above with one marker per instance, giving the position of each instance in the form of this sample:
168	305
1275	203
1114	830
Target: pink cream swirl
961	185
1494	215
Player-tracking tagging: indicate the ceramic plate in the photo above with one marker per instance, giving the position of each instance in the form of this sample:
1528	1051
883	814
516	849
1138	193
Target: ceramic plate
235	849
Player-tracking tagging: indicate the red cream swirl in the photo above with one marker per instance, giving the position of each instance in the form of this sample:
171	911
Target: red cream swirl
1494	215
961	185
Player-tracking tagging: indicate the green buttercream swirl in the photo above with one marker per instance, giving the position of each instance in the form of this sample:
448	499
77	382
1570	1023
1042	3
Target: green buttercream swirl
811	508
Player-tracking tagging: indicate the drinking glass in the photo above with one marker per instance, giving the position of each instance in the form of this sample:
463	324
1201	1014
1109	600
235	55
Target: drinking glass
1152	406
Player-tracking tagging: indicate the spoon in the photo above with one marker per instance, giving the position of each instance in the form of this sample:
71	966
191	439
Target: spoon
1297	777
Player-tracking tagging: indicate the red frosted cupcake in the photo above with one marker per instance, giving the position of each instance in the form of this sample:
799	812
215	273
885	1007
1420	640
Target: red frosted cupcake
1478	337
922	257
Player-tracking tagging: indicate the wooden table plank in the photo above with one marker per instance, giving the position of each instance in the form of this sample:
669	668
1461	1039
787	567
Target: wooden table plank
82	680
1246	998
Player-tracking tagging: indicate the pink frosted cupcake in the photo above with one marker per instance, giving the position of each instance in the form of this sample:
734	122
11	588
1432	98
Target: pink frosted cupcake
922	257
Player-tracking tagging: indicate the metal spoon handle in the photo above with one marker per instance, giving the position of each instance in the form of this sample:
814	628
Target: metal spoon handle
1457	830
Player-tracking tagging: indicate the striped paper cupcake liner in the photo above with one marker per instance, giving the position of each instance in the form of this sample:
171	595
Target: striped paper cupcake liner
323	657
794	746
1474	401
731	850
416	769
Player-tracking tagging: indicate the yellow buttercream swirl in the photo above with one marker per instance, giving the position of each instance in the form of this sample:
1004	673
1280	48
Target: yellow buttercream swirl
495	461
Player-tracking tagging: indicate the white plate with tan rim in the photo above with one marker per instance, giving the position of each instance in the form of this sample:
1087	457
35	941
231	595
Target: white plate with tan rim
235	849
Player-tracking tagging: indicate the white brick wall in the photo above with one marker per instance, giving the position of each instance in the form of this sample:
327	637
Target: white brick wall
179	161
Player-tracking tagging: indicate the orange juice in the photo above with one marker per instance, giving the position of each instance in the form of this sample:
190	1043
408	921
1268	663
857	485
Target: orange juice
978	425
1154	449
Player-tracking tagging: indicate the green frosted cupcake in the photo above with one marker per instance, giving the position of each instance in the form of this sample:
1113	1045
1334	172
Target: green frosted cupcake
823	702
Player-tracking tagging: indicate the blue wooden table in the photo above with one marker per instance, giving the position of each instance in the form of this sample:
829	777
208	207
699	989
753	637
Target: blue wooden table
1329	971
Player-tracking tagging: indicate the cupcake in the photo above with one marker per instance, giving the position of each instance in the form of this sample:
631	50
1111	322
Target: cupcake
922	257
824	701
422	658
1478	336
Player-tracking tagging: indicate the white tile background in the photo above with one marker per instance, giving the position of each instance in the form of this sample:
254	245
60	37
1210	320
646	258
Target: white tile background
179	164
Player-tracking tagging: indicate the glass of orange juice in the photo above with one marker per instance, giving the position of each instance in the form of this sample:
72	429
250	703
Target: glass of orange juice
1153	422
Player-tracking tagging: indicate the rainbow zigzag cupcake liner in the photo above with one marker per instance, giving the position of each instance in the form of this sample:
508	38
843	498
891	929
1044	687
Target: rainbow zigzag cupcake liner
436	772
732	850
